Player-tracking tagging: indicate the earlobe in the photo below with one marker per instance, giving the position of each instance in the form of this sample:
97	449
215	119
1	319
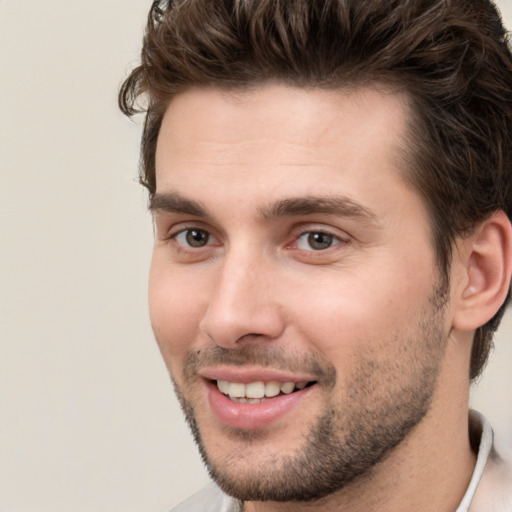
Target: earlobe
485	259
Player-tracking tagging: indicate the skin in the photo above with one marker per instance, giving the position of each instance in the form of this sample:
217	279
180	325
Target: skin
364	318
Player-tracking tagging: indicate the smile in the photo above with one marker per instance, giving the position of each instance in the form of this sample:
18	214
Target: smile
256	404
259	391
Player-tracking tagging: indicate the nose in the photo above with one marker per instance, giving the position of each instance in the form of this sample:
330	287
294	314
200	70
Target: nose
242	307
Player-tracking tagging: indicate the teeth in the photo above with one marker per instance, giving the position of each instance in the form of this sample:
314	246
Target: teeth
223	386
287	387
236	390
255	391
272	389
248	400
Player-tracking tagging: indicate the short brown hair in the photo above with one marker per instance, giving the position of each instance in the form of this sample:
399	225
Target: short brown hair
451	57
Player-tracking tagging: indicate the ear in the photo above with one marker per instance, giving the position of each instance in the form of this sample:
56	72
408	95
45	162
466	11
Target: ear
484	265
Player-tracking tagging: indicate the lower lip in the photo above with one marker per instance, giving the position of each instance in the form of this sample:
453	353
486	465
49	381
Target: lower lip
253	416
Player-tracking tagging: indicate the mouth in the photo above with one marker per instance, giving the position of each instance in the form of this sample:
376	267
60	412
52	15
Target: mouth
258	391
252	398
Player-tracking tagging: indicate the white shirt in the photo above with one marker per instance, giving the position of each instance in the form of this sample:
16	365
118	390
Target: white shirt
489	490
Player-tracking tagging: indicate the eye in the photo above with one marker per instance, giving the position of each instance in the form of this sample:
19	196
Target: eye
193	237
316	241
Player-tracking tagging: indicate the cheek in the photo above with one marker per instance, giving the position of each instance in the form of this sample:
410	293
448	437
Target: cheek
175	315
344	315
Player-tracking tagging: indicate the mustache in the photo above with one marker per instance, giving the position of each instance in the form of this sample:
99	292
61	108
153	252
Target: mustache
267	357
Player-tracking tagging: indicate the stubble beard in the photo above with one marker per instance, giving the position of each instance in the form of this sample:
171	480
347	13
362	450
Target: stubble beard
382	404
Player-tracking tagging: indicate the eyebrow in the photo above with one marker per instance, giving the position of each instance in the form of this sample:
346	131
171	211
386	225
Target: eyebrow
173	202
342	206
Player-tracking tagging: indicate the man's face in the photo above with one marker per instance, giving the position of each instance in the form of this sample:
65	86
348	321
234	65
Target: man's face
293	288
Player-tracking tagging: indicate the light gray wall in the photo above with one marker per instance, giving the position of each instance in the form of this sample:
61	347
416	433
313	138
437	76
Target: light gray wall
88	421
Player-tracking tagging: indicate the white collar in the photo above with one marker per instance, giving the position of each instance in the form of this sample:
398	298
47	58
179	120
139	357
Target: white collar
477	422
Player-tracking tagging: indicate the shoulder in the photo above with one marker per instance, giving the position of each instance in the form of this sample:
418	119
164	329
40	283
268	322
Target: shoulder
209	499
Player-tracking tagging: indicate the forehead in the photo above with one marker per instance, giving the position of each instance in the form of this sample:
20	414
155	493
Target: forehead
293	114
280	138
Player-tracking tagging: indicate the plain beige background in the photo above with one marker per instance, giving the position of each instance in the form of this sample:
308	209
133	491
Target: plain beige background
88	421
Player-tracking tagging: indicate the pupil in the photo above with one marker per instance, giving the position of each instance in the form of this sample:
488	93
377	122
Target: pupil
197	238
320	240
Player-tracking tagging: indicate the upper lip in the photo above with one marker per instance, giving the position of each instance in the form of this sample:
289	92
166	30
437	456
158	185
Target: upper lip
246	375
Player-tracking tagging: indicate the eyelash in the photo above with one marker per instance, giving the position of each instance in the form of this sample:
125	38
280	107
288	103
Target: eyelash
332	239
316	236
188	231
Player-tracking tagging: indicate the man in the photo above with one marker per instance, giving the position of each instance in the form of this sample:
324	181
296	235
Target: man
331	188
